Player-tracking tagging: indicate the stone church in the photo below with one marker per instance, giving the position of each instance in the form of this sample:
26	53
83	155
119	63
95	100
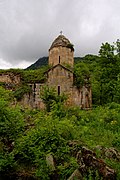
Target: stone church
61	77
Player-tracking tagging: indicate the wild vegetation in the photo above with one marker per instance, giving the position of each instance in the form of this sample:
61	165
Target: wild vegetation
27	136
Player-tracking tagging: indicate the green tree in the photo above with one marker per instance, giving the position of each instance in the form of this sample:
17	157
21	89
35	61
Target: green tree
82	74
11	127
51	99
110	68
107	51
117	47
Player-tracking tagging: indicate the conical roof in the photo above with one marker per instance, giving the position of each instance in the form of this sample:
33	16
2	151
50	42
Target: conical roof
61	40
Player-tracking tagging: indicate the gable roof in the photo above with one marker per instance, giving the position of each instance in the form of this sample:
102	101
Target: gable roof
58	65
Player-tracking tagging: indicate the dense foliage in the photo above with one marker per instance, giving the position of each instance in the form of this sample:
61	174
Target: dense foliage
28	136
27	77
104	71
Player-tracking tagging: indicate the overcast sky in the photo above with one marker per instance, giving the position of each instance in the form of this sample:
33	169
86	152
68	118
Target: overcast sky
28	27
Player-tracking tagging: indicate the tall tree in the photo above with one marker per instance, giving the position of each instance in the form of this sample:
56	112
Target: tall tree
110	68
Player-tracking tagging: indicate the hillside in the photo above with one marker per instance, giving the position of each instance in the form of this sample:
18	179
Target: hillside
58	144
44	61
63	142
40	62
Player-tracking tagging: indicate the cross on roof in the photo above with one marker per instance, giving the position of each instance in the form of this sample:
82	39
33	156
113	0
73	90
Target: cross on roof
61	32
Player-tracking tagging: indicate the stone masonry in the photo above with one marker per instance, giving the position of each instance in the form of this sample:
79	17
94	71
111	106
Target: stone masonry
60	76
10	78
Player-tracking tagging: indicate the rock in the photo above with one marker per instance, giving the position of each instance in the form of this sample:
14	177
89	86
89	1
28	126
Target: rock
87	160
87	151
75	143
76	175
110	174
50	161
112	153
75	146
79	158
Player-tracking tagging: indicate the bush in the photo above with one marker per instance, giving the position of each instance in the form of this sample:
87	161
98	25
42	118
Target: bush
20	91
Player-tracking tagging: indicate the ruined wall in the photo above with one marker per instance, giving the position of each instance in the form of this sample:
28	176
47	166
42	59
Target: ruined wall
75	97
33	100
61	55
86	97
62	80
82	97
59	77
10	78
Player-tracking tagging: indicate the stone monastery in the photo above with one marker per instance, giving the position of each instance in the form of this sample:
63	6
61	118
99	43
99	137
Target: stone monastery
61	77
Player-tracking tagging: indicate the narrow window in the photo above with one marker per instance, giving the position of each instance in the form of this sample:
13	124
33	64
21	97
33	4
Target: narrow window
68	75
31	90
58	90
59	59
34	91
34	86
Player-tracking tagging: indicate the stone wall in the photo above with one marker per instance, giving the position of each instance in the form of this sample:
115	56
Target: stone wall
33	100
82	97
10	78
61	55
61	79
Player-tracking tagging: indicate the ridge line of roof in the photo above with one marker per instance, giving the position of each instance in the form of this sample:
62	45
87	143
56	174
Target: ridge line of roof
58	65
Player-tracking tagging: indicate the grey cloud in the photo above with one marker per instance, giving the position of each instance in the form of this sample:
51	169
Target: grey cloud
28	27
